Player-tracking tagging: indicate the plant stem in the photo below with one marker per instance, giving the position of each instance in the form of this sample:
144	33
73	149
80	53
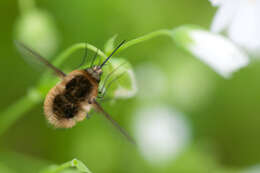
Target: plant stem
145	38
65	54
15	111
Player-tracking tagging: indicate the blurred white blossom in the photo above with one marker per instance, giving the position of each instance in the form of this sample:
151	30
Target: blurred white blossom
161	133
253	169
240	18
151	81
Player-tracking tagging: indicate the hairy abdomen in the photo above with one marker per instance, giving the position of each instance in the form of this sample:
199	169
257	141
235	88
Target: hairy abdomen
67	102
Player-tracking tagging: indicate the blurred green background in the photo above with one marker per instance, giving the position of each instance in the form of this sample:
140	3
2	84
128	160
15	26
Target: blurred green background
223	114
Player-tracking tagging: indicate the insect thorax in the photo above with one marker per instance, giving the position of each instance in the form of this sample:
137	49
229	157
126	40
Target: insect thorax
95	72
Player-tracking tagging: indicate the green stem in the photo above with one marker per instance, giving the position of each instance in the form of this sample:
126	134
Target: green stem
58	169
15	111
145	38
26	6
66	54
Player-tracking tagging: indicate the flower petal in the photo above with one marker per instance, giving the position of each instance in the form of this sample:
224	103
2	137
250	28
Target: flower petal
224	15
214	50
245	26
217	2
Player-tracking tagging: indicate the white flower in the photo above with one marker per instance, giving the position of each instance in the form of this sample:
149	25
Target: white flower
213	49
216	51
240	18
161	133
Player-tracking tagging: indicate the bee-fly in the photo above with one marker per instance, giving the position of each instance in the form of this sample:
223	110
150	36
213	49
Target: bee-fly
68	101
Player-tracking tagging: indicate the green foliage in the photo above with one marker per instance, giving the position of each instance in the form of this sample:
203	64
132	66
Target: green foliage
65	167
227	115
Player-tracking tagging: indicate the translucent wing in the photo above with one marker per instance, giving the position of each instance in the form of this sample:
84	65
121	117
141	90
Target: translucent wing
116	125
33	57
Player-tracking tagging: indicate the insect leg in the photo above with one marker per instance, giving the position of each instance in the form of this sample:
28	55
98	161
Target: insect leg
107	77
84	57
103	92
94	59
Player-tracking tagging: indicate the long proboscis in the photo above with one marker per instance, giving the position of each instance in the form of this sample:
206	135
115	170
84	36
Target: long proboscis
114	51
22	46
99	108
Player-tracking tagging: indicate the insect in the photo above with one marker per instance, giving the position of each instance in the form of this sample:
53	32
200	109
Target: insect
71	99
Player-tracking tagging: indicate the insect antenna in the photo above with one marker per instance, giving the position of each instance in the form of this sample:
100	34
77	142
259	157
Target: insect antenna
84	57
98	108
100	61
94	59
112	54
26	49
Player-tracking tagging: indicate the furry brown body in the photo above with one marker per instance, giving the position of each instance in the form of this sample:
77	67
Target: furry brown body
68	101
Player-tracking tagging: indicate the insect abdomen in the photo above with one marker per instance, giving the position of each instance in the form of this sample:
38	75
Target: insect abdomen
64	108
78	89
64	103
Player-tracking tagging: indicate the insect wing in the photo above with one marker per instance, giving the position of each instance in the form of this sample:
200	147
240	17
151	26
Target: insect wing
36	59
115	124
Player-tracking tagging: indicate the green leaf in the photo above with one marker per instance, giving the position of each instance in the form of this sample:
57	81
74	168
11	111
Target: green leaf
66	167
119	79
110	44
